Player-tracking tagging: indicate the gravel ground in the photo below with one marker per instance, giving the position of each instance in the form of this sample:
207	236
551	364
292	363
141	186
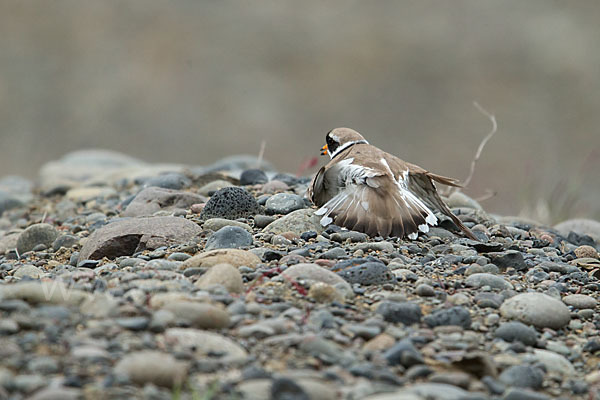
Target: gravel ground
122	279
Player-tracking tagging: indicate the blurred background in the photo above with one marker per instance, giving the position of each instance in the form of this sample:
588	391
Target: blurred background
193	81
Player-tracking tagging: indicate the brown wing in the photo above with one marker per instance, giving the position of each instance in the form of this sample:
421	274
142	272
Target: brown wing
420	183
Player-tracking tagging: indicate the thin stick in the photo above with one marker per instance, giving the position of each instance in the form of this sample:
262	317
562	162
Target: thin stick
492	119
44	217
261	153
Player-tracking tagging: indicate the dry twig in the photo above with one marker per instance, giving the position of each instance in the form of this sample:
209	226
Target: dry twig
492	119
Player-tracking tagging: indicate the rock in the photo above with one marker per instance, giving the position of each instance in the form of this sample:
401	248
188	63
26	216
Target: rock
34	235
153	367
127	236
326	350
222	274
202	343
9	241
51	292
100	305
352	236
199	315
28	270
284	203
85	194
235	257
214	224
154	199
460	200
580	301
229	237
554	362
524	394
314	273
524	376
369	273
240	162
586	252
425	290
57	393
407	313
484	279
580	226
456	315
230	203
212	187
66	241
253	177
274	186
334	254
298	221
287	389
512	331
508	259
537	309
403	353
325	293
169	180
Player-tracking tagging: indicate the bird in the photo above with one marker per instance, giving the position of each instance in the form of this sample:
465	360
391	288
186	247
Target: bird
365	189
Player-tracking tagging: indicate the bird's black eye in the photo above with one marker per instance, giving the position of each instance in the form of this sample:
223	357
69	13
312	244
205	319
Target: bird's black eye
331	143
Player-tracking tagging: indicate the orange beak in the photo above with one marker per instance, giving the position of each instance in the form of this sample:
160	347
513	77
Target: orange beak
324	150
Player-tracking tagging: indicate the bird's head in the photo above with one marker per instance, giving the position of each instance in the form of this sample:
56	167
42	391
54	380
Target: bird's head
339	139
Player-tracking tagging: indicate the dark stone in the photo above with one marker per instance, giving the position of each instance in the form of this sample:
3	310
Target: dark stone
172	180
229	237
125	237
153	199
66	241
231	203
407	312
524	376
284	203
458	315
308	235
34	235
369	273
524	394
133	323
287	389
288	179
508	259
349	235
516	331
272	255
261	221
488	300
253	177
403	353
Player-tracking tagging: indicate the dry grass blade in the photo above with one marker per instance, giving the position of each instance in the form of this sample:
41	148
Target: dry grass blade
492	119
261	153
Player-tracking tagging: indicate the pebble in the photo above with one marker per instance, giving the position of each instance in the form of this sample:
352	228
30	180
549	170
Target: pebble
152	367
537	309
154	199
199	315
35	235
369	273
202	343
235	257
230	203
314	273
484	279
298	221
523	376
28	270
406	313
229	237
222	274
425	290
456	315
169	180
508	259
403	353
253	177
580	301
512	331
212	187
284	203
214	224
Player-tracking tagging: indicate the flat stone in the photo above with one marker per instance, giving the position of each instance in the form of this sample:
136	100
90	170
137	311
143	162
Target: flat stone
154	199
554	362
369	273
524	376
229	237
51	292
537	309
235	257
314	273
127	236
85	194
202	343
485	279
34	235
580	301
298	221
456	315
28	270
199	315
284	203
222	274
404	312
253	177
512	331
508	259
168	180
403	353
214	224
152	367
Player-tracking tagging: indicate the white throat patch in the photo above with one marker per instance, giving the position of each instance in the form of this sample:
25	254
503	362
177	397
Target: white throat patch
345	146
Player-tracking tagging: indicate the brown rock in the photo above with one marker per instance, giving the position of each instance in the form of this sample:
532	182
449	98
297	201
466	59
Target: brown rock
127	236
222	274
199	315
235	257
380	342
586	252
152	367
153	199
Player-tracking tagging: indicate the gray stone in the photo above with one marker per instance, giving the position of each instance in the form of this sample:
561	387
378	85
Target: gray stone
57	393
404	312
512	331
253	177
214	224
352	236
212	187
369	273
240	162
51	292
284	203
199	315
28	270
222	274
230	203
34	235
152	367
298	221
554	362
127	236
154	199
202	343
484	279
403	353
315	273
456	315
580	301
334	254
66	241
524	394
235	257
169	180
524	376
327	351
581	226
425	290
537	309
508	259
229	237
